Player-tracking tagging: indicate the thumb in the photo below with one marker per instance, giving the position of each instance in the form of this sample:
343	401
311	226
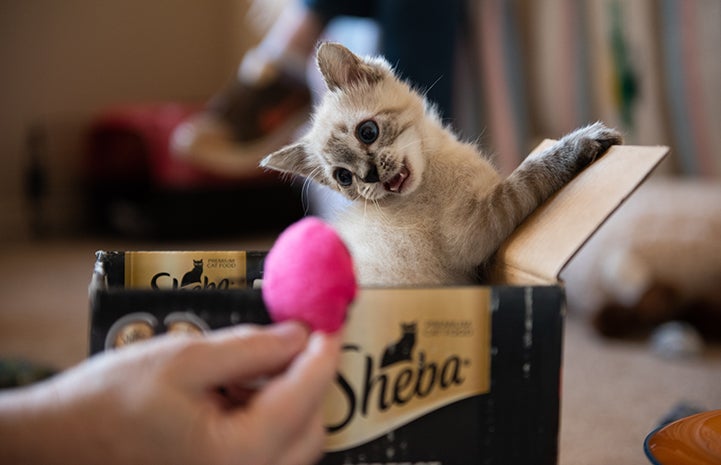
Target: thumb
297	394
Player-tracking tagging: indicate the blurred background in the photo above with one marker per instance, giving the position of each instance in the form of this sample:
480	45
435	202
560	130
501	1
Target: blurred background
534	70
92	91
66	65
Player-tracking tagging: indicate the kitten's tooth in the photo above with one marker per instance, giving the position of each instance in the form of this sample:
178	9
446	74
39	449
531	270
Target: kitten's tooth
395	183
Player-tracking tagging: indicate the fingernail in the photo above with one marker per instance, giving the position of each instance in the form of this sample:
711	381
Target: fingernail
320	340
290	331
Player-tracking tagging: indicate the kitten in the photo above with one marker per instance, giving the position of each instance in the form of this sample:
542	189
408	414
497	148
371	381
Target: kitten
427	208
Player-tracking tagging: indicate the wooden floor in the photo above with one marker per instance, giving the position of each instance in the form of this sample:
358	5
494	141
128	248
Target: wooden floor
613	392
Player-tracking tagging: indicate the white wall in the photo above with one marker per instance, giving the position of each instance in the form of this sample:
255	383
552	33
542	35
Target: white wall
62	61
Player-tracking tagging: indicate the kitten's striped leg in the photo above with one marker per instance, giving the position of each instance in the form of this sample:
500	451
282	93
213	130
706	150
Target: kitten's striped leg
536	179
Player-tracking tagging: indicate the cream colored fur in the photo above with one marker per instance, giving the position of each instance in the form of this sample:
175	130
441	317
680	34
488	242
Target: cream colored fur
451	211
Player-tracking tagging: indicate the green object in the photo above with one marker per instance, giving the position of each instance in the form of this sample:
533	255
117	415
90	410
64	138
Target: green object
626	84
16	373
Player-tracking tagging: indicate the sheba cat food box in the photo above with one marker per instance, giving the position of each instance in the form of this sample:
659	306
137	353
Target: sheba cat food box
444	375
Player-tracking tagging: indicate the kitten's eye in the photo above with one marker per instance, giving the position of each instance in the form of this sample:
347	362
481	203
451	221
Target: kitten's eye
367	131
343	176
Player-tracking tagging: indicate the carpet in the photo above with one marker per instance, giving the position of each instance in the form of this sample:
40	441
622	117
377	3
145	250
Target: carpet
613	392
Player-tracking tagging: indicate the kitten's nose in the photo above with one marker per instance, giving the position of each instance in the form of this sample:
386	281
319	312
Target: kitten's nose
372	175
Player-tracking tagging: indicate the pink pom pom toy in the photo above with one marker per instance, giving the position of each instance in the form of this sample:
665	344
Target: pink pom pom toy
308	276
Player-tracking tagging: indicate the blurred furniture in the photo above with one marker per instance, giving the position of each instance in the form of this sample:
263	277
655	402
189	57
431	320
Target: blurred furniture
135	185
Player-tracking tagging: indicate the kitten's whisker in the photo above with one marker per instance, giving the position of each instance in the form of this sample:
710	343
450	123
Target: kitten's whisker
425	91
305	191
384	218
305	196
380	212
413	142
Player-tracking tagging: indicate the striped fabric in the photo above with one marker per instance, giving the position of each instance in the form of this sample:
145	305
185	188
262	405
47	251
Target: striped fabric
650	67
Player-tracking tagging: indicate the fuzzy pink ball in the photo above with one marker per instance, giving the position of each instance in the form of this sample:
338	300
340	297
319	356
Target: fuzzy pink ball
308	276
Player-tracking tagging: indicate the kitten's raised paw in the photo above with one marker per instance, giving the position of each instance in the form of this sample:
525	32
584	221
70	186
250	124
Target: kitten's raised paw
593	140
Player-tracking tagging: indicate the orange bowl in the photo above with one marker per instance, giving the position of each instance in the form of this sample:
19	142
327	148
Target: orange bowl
694	440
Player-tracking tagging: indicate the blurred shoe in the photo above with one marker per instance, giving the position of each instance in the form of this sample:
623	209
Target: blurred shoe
244	123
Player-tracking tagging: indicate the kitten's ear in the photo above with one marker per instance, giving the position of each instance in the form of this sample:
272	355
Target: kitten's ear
340	67
292	159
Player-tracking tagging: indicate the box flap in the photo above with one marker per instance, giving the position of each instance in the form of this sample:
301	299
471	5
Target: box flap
542	245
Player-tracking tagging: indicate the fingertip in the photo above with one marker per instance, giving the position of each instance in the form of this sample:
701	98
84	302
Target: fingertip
290	330
325	344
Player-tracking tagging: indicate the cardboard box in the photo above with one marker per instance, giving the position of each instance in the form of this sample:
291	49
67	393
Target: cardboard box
446	375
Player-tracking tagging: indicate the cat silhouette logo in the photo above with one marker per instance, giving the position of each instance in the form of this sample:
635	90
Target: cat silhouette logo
194	279
401	350
193	276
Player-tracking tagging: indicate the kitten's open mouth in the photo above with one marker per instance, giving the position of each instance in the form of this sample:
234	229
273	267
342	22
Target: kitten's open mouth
395	184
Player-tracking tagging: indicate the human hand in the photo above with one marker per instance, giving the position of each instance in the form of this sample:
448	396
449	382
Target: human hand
182	400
